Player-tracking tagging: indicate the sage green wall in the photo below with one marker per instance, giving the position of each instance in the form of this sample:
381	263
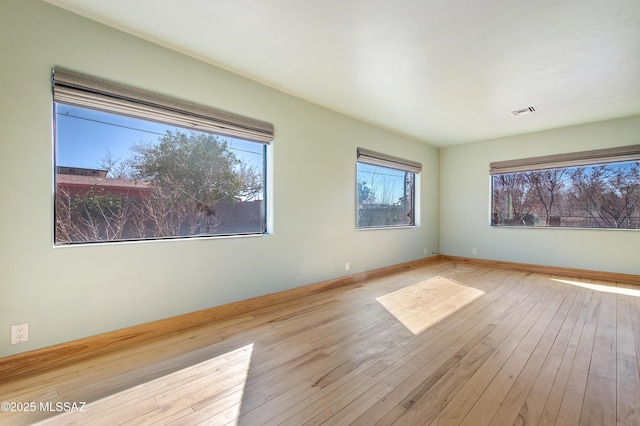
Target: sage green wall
72	292
465	203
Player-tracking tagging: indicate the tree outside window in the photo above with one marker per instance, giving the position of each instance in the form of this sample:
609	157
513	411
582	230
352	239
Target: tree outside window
594	196
385	197
120	178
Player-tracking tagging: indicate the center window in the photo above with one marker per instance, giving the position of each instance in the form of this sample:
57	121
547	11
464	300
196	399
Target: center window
385	190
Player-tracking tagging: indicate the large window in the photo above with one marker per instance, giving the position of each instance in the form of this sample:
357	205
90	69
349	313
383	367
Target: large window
593	189
133	165
385	190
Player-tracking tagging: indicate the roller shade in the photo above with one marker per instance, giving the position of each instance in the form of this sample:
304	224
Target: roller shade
575	159
72	88
377	159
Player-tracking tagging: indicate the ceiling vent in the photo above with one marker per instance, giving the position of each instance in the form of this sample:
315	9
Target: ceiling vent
523	111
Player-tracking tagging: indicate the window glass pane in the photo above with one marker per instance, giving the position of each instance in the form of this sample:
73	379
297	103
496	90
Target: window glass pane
385	197
596	196
122	178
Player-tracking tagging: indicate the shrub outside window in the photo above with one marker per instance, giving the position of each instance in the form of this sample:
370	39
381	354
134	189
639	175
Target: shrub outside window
594	189
385	190
126	171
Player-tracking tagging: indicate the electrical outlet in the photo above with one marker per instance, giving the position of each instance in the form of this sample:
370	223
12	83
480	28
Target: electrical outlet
347	266
425	250
19	333
474	251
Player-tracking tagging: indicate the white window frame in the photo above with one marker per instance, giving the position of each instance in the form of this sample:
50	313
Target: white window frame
385	161
80	90
593	215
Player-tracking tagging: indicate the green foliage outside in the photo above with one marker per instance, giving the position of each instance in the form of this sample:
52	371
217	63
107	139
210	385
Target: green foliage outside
187	176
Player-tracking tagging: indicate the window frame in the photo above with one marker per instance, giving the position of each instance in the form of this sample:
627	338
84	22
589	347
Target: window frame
385	161
95	94
554	167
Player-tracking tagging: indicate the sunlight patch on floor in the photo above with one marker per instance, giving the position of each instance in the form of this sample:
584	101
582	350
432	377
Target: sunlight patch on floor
602	287
209	391
421	305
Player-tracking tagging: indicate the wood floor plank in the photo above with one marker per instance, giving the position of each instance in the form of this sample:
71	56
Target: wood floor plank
440	344
403	355
533	409
457	408
628	390
407	377
574	326
445	388
514	401
625	340
603	357
574	393
220	412
414	376
627	366
635	318
351	412
599	407
328	396
341	363
495	394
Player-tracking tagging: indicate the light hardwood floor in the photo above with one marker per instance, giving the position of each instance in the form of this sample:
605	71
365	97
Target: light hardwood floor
436	345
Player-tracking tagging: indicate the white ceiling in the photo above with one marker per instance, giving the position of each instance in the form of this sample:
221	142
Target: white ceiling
442	71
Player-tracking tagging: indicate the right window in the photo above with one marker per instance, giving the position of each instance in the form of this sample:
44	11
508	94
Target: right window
386	194
593	189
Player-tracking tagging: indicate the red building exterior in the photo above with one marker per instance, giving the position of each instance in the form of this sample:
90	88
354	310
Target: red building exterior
79	182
